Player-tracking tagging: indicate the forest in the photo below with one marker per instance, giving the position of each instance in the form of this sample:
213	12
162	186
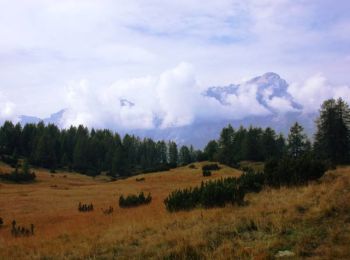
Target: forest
93	152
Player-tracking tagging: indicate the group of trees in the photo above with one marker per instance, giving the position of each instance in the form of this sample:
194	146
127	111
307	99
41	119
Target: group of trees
134	200
254	144
19	175
331	142
89	152
95	151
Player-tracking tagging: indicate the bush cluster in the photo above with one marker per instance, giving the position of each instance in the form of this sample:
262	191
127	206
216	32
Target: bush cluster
209	194
10	160
158	168
134	200
211	167
293	171
206	173
251	181
18	177
285	172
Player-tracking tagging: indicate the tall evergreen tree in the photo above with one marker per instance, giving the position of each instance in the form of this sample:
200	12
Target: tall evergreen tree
332	139
172	153
297	141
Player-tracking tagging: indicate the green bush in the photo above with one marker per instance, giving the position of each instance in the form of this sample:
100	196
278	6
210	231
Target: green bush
209	194
291	172
206	173
211	167
18	177
158	168
251	181
134	200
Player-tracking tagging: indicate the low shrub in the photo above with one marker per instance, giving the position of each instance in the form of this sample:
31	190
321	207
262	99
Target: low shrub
192	166
211	167
291	172
134	200
10	160
209	194
251	181
158	168
18	177
140	179
206	173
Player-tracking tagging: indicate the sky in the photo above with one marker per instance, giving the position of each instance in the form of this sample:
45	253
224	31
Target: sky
87	55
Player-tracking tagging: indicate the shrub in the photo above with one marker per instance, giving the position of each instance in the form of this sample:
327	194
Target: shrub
192	166
10	160
158	168
209	194
140	179
251	181
211	167
206	173
134	200
289	171
18	177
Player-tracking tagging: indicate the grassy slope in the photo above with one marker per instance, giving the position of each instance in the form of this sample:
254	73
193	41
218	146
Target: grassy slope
312	221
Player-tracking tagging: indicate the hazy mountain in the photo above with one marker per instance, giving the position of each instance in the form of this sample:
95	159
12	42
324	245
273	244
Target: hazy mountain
270	87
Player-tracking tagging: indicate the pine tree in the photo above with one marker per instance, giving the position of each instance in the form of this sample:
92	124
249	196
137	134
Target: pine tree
297	141
332	139
173	154
211	150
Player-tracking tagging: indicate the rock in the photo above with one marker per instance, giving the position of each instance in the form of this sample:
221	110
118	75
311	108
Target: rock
284	253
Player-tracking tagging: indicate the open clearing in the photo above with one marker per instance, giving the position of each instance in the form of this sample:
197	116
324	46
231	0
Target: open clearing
310	221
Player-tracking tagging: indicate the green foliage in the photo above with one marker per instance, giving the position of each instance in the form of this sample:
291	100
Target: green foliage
277	173
18	177
209	194
293	171
211	151
251	181
134	200
88	151
206	173
211	167
298	144
332	139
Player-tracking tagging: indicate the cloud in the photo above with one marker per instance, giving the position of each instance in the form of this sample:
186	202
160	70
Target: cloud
7	109
316	89
172	99
50	43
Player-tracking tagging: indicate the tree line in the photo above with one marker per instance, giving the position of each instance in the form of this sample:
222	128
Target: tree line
95	151
331	140
89	151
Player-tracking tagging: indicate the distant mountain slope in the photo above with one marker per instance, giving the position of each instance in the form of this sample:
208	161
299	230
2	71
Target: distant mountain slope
271	89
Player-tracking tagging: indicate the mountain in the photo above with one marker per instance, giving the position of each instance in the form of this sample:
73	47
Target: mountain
270	88
53	119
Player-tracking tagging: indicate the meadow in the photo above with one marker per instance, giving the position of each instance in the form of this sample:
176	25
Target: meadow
310	221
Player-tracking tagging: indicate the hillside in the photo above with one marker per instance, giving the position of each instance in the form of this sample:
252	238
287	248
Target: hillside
310	221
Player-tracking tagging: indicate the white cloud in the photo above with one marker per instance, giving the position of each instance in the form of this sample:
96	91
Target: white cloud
7	109
316	89
174	98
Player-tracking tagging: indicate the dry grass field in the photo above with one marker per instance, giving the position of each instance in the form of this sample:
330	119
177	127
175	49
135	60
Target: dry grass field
311	221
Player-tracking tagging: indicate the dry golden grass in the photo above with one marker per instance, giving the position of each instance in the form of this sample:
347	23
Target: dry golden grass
312	221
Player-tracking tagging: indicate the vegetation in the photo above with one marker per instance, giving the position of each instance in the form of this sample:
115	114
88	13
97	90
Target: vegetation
277	173
20	176
88	151
134	200
209	194
309	220
206	173
211	167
